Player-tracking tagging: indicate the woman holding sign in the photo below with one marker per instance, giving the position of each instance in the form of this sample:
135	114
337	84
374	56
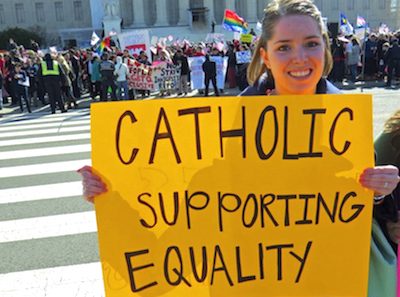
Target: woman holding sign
292	58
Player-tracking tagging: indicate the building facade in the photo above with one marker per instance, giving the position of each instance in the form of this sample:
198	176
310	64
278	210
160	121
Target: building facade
72	22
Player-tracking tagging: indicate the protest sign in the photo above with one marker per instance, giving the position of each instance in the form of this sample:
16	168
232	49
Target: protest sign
247	38
211	37
235	197
166	76
197	74
141	77
243	57
159	76
135	41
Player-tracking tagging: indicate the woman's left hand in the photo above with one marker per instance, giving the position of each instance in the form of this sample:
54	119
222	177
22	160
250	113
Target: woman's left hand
381	179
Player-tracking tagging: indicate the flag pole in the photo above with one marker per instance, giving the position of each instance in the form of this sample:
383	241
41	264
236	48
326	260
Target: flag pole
363	59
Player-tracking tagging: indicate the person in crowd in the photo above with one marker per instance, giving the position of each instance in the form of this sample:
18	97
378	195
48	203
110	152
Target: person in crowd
121	72
52	76
66	84
393	61
292	57
144	59
181	60
95	78
41	91
387	147
22	79
107	68
34	45
353	59
210	74
74	61
386	223
164	56
87	73
231	71
383	61
339	58
370	57
31	71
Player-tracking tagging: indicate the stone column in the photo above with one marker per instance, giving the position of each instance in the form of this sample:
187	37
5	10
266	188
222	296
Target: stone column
210	5
183	12
230	4
252	11
161	8
138	14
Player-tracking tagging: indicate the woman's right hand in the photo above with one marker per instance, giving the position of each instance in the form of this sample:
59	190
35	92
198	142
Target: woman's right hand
92	184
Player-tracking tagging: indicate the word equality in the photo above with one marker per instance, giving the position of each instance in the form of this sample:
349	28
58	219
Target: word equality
278	119
208	263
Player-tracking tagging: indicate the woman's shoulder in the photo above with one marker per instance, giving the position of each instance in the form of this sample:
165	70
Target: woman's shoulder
260	87
330	88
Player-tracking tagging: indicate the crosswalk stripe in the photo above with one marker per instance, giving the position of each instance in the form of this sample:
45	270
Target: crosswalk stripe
44	125
31	193
44	139
43	132
34	115
83	280
51	151
50	226
38	159
22	121
43	168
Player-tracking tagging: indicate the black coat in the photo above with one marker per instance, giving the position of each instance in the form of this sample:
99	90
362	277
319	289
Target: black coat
209	68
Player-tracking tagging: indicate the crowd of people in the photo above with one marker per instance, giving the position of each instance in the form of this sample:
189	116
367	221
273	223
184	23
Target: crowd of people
105	76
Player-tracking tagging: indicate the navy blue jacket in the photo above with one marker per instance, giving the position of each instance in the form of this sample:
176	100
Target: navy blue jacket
261	87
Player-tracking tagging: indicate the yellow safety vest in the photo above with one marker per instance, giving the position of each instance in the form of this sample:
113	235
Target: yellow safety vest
54	71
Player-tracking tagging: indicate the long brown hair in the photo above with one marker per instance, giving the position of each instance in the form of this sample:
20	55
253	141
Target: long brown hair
393	123
272	13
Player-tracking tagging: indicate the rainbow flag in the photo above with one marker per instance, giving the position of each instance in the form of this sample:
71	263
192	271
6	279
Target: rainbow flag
105	43
361	23
233	22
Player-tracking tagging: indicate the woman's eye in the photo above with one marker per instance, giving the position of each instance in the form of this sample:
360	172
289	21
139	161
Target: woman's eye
283	48
312	44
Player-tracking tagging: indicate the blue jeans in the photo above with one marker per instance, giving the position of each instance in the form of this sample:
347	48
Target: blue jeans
122	87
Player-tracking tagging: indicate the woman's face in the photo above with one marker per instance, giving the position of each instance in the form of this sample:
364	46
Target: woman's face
295	55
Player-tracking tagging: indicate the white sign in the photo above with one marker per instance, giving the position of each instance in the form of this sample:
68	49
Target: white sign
135	41
243	57
197	74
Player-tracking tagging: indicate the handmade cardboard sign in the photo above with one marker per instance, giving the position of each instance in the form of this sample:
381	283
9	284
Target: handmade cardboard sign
244	196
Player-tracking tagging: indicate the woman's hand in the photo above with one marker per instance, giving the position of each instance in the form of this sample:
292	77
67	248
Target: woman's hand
381	179
393	229
92	184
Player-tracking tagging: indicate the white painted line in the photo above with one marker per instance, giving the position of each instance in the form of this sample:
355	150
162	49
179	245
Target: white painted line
44	132
50	151
29	126
47	115
33	193
50	226
42	119
83	280
43	168
44	139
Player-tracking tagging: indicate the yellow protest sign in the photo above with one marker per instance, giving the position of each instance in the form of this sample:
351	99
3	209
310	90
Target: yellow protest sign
244	196
247	38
